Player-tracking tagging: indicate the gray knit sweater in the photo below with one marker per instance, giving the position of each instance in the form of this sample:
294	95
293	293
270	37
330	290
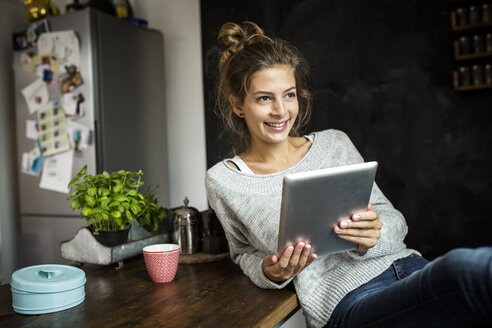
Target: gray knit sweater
248	206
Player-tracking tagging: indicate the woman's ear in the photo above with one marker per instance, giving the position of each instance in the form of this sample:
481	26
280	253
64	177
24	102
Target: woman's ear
236	106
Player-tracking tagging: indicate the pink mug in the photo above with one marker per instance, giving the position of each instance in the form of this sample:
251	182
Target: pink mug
161	261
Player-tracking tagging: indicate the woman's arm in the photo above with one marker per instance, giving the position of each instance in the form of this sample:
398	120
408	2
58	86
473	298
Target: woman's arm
249	259
394	227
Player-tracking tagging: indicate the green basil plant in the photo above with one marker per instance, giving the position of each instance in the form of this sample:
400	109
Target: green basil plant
154	215
111	201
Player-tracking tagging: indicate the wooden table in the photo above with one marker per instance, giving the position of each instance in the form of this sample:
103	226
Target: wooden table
202	295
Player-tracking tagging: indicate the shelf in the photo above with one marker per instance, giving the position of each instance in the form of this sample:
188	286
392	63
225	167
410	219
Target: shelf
474	56
473	87
458	87
457	55
471	32
467	28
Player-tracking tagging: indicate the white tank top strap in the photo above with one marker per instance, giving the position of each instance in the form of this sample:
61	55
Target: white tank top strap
240	164
245	168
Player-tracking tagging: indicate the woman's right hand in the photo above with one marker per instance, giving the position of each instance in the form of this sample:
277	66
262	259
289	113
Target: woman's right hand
291	263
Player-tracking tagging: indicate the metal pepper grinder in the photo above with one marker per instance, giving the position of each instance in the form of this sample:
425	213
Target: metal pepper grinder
187	229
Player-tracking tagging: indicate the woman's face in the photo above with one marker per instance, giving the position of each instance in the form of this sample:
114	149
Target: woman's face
270	107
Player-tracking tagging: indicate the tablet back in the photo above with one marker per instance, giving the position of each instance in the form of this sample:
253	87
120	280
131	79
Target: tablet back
314	202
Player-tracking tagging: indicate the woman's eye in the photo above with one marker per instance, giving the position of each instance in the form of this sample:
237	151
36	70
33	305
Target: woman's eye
263	98
291	95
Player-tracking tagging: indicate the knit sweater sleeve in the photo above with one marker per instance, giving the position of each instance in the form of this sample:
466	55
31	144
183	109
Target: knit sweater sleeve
242	253
394	227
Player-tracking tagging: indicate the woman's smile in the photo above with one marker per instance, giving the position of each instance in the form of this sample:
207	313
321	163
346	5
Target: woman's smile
278	127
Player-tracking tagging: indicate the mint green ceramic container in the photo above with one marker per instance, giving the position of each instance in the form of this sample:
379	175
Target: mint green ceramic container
47	288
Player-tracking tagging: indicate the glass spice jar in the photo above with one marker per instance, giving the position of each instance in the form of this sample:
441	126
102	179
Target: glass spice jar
478	44
477	74
474	15
464	76
462	17
464	45
488	74
486	13
488	42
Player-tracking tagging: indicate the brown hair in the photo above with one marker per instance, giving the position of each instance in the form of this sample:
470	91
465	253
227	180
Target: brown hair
247	50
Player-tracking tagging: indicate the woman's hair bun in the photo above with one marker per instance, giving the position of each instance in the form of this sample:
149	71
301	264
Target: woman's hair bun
233	37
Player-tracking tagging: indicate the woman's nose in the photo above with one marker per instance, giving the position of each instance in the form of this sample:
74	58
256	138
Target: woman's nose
279	108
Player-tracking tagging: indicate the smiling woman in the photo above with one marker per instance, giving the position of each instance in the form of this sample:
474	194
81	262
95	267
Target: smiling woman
264	100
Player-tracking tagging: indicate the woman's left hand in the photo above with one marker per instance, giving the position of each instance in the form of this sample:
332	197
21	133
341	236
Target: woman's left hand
362	228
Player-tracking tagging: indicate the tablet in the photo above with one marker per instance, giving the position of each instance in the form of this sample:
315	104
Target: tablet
314	202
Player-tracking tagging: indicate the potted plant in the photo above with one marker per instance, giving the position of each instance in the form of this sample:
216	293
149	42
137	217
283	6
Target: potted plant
109	202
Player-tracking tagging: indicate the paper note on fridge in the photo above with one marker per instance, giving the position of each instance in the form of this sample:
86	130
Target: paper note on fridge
31	130
53	136
72	103
79	135
64	43
57	172
36	95
32	161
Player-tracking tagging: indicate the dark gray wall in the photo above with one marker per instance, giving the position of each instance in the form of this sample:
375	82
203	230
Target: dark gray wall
382	72
11	13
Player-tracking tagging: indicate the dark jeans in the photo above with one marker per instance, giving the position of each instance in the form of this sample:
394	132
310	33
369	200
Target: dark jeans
454	290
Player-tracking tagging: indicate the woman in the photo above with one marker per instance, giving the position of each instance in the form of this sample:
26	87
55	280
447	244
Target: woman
263	98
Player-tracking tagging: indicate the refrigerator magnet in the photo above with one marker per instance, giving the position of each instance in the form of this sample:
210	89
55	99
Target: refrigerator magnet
71	80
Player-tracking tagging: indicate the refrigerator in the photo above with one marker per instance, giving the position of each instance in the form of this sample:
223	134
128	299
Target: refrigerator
122	69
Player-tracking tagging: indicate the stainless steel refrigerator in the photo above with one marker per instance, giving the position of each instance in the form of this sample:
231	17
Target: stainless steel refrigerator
123	72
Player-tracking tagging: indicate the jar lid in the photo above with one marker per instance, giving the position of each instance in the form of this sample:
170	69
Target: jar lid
186	211
47	278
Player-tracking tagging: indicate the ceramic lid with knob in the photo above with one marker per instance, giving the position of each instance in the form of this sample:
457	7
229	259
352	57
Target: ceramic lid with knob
47	278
